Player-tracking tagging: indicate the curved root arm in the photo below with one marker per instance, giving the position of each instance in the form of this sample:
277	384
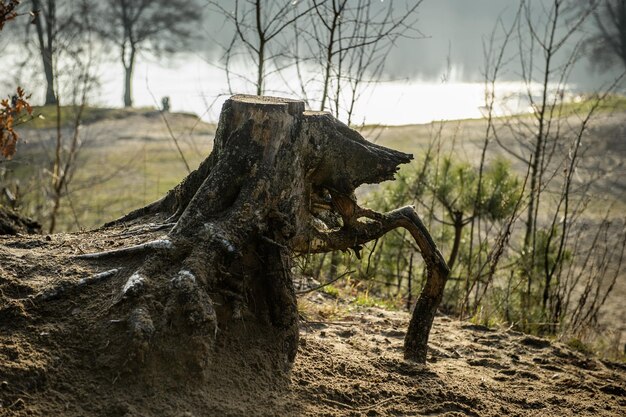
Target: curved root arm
162	244
415	344
360	233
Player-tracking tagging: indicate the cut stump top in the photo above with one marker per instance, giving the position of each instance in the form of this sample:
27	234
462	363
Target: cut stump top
293	107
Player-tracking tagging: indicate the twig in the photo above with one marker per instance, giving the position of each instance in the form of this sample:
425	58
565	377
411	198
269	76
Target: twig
378	404
369	258
151	227
63	287
336	323
366	408
169	129
325	284
273	242
155	244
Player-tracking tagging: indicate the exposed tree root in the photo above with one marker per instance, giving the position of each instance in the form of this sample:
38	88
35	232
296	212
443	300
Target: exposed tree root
66	287
160	244
359	233
144	228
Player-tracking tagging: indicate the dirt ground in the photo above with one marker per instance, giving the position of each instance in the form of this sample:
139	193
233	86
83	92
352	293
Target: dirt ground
57	356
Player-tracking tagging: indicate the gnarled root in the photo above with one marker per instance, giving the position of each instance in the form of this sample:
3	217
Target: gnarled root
360	232
185	297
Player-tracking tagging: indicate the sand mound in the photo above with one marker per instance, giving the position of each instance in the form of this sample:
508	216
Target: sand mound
55	360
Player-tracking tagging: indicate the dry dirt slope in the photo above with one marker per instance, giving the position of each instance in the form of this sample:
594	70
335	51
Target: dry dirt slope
52	363
356	368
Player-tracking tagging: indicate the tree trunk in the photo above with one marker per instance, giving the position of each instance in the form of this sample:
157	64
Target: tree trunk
458	233
45	50
48	70
278	182
128	79
260	69
261	51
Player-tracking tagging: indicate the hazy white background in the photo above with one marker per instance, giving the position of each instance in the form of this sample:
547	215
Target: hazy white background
438	76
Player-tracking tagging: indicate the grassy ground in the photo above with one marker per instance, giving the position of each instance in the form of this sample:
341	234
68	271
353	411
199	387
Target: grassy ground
130	177
126	159
47	117
609	104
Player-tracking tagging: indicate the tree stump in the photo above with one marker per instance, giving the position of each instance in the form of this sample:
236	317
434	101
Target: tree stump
276	175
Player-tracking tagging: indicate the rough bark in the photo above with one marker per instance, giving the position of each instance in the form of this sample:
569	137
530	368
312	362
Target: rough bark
12	223
280	181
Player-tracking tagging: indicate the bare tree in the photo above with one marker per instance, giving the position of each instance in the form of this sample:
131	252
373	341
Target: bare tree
349	41
551	41
495	59
64	160
48	25
259	29
58	37
335	47
537	276
608	44
552	248
157	26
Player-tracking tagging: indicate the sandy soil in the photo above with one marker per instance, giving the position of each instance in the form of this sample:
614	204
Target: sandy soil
55	360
